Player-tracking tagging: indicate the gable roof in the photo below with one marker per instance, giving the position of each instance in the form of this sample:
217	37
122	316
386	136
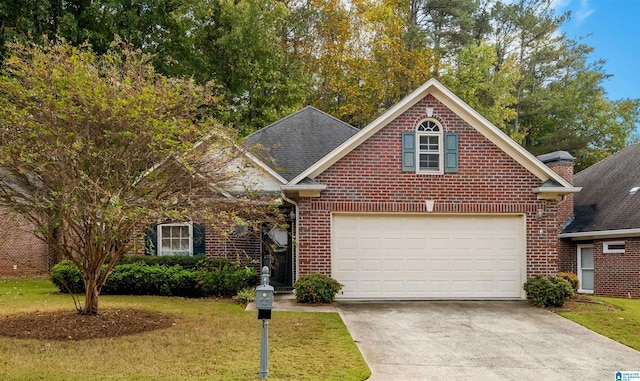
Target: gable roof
468	114
607	205
297	141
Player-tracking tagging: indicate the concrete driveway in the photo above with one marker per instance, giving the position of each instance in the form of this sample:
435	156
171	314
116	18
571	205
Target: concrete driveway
480	341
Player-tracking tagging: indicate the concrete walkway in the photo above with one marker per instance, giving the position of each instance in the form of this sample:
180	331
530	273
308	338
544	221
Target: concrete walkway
287	302
480	341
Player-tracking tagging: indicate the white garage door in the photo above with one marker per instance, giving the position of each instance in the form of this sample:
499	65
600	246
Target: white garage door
420	257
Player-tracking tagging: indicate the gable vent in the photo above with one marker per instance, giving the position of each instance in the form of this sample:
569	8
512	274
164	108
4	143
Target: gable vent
634	190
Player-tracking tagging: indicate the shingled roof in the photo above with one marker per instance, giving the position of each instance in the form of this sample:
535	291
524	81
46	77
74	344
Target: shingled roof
297	141
608	200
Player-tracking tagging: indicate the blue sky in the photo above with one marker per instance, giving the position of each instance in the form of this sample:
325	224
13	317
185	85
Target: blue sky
612	28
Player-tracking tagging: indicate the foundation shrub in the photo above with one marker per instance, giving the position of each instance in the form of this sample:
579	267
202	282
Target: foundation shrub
572	278
548	291
316	288
213	278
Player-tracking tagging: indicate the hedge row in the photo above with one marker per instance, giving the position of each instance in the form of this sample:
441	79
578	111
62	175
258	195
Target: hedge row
203	278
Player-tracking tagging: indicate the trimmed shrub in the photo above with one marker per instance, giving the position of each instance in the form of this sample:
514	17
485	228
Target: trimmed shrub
66	276
573	279
548	291
316	288
143	279
184	261
224	279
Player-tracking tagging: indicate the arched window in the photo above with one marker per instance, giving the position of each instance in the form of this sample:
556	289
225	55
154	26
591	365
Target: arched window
429	138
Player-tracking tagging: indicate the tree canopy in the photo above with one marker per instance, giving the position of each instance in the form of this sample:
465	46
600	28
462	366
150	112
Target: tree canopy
509	59
92	147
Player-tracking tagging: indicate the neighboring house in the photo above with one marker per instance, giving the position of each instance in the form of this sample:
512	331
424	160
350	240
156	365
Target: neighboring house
21	253
602	243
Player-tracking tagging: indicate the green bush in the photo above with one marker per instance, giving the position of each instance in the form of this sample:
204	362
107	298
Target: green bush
548	291
246	295
66	276
316	288
143	279
573	280
205	278
184	261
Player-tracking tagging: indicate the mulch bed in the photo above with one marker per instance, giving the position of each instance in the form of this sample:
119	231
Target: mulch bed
70	325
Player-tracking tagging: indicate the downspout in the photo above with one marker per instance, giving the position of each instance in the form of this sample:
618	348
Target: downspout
295	247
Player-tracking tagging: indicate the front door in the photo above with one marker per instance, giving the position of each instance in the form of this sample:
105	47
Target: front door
586	268
277	254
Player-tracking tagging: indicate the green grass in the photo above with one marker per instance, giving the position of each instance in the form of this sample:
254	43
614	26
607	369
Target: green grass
213	340
616	318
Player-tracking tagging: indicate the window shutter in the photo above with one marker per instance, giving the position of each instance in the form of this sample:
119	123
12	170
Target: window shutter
451	152
151	240
199	247
408	151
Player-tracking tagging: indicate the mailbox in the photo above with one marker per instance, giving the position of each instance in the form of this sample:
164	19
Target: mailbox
264	296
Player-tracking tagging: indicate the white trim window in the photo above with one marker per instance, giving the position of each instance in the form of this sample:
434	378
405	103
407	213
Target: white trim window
613	247
429	139
175	239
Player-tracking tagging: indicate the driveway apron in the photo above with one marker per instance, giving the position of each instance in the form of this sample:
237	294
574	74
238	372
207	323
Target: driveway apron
455	340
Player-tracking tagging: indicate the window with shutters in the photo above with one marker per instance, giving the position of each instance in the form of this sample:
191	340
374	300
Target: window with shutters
429	147
175	239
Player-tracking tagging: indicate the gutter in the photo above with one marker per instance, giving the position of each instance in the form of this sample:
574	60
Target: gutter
296	247
601	234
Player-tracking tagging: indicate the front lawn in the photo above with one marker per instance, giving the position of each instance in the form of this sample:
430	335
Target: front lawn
616	318
212	340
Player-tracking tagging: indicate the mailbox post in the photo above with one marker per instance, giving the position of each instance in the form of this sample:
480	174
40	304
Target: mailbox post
264	305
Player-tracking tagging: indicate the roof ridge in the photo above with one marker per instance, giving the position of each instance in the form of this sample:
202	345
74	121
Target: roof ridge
607	159
296	113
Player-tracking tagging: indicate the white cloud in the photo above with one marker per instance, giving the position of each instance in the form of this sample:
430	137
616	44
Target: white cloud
583	12
559	4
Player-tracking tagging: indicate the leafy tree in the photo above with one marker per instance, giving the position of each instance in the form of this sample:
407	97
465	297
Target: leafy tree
238	44
475	79
95	146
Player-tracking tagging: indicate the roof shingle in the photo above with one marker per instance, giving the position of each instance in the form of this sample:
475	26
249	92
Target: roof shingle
297	141
605	202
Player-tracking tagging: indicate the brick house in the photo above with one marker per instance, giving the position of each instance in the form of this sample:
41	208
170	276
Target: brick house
430	200
602	241
21	253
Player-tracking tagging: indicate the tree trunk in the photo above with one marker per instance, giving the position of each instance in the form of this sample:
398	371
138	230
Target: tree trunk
91	295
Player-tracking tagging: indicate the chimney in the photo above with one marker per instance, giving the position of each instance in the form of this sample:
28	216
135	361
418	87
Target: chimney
561	162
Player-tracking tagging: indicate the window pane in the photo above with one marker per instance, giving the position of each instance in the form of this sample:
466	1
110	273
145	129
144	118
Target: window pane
429	161
166	243
184	244
166	231
586	258
175	244
429	143
587	280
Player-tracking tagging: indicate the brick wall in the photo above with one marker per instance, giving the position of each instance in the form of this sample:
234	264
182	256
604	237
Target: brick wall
567	250
565	207
567	256
245	247
21	253
369	179
617	274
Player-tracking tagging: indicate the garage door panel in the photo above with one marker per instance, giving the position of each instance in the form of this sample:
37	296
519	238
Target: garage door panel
346	265
417	256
